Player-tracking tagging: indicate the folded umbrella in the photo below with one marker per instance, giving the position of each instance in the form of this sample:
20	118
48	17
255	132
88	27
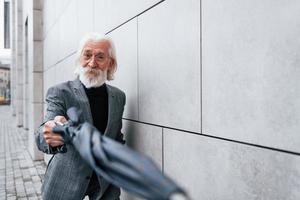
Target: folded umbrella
117	163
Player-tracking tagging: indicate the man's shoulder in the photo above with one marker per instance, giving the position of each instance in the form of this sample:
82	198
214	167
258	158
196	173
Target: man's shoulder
65	86
116	90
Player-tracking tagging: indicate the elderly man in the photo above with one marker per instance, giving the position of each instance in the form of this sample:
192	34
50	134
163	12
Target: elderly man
67	176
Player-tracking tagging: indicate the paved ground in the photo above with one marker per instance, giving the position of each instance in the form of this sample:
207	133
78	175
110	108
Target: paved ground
20	176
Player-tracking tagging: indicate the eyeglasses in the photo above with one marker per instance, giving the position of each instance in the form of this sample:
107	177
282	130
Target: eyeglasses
87	56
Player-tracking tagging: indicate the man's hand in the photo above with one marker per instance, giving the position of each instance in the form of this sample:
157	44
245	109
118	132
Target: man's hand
53	139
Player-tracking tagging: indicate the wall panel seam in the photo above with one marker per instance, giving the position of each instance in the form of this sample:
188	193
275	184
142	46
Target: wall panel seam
118	26
201	78
220	138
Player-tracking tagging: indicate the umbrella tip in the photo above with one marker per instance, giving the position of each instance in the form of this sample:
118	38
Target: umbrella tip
179	196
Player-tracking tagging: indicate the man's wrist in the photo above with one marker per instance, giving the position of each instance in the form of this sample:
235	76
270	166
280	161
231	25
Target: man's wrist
58	149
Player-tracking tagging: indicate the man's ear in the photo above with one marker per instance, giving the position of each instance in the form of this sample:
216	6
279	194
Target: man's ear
111	63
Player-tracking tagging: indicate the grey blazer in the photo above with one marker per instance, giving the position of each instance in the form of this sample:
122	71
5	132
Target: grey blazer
67	175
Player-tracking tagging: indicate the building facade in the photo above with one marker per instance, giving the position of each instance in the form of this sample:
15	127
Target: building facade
4	85
4	52
213	93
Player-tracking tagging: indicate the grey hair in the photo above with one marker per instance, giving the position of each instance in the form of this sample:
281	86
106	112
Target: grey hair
97	37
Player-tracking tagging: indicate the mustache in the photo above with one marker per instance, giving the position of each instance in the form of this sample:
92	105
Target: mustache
92	71
89	72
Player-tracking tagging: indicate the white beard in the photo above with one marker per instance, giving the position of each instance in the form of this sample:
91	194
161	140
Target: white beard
91	77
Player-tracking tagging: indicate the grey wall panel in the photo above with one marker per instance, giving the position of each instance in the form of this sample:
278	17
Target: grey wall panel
216	169
110	14
49	13
51	47
68	27
62	7
125	39
61	72
100	16
49	79
145	139
85	17
251	85
169	65
52	11
65	70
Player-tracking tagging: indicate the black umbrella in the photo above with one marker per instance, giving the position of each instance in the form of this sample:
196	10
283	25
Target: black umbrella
117	163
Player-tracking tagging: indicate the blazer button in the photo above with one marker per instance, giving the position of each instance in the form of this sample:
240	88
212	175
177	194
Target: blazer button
87	178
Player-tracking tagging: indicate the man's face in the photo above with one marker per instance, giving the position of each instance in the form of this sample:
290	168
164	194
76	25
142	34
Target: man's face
95	57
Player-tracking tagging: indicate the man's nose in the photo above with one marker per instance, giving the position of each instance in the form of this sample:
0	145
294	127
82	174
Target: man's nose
92	62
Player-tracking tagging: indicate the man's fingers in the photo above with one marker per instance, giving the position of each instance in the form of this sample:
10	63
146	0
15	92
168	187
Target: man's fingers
50	123
54	143
54	140
53	137
48	126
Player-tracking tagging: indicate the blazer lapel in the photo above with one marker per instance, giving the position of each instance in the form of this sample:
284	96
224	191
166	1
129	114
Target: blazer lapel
82	100
111	108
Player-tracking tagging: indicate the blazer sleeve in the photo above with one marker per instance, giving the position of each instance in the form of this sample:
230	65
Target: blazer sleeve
120	136
55	107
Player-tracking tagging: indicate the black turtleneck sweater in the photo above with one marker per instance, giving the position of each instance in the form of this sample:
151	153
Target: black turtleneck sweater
98	100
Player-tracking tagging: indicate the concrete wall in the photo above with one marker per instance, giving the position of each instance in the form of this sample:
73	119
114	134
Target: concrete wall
212	86
27	65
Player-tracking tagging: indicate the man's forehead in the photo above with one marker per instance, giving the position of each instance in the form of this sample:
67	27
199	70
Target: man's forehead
102	45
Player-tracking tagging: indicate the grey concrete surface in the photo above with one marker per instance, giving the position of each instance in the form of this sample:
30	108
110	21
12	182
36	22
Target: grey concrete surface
146	139
169	65
67	36
250	66
216	169
125	39
109	14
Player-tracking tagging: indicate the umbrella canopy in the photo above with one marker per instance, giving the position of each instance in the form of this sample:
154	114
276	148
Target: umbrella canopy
117	163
